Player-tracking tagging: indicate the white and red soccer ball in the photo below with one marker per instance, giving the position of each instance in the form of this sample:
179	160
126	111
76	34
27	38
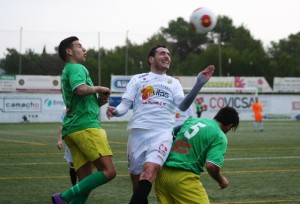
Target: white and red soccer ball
203	20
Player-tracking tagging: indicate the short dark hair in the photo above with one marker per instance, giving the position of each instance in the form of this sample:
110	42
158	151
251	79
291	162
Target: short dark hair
65	44
227	116
152	51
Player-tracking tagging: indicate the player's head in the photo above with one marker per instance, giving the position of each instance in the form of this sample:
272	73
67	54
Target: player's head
153	51
64	45
70	49
228	117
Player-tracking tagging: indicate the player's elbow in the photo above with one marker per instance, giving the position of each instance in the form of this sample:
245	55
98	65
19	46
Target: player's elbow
211	167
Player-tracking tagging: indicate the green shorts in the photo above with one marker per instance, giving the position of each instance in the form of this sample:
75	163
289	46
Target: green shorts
174	185
87	145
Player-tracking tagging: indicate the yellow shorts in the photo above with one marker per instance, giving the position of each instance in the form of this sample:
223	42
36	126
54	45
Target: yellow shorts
87	145
174	186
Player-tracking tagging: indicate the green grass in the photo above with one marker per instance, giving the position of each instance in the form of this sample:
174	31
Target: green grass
262	167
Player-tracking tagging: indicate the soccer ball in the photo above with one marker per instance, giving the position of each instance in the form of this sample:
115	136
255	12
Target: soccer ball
203	20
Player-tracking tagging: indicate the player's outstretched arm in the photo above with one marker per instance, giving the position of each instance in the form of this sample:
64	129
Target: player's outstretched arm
110	112
202	78
207	72
120	110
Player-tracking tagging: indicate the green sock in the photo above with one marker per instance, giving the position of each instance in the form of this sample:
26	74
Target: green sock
84	186
80	199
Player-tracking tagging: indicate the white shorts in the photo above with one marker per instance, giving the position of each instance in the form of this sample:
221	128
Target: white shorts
147	146
68	156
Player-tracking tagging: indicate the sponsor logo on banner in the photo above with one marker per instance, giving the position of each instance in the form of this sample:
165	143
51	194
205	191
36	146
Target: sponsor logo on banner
22	104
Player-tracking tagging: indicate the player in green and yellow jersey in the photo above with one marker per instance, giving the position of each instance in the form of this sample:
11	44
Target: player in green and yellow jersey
200	143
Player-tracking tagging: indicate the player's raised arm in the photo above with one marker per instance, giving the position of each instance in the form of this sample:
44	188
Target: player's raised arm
202	78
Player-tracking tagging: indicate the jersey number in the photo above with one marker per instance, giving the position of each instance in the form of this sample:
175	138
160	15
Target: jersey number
195	129
183	146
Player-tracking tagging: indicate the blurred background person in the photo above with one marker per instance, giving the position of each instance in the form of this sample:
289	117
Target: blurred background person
257	110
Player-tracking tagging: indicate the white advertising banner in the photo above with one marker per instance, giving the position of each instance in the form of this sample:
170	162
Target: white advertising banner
32	83
35	107
7	83
119	82
275	107
49	107
286	85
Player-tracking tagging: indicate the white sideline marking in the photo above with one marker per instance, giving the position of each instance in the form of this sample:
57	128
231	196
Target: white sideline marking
260	158
231	159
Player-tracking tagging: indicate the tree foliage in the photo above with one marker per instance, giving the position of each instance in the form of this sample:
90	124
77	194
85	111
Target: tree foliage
233	50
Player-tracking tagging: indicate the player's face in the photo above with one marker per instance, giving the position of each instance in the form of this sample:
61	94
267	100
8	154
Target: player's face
226	128
78	52
162	59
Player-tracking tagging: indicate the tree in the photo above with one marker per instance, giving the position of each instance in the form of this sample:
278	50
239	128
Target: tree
10	64
233	51
284	55
183	39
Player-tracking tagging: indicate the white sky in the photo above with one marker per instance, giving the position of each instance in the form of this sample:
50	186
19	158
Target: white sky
47	22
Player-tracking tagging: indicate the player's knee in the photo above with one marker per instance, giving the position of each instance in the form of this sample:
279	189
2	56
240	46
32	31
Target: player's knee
150	172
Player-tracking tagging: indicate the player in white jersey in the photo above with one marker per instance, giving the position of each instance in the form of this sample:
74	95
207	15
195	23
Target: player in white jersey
154	96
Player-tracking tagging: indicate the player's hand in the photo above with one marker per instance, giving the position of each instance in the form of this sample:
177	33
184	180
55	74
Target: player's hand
110	112
224	183
102	99
60	144
207	72
104	91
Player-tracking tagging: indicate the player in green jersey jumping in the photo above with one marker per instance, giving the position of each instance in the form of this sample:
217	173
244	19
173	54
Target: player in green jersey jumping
200	143
82	130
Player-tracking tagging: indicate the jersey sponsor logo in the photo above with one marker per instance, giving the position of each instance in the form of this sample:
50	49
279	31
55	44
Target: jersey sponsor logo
155	103
159	92
182	146
149	91
162	149
166	87
143	75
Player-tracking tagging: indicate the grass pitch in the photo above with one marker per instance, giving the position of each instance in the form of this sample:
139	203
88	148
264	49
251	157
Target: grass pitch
262	167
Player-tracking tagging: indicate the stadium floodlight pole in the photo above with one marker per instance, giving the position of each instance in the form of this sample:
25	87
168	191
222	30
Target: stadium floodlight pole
99	61
126	54
220	54
20	54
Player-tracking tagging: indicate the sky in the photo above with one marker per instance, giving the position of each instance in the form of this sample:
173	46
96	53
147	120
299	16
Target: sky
35	24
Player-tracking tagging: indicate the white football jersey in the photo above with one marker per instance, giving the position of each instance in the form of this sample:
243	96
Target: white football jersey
181	116
154	99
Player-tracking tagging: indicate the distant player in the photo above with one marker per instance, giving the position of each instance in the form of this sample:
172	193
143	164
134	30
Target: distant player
68	156
199	107
200	143
257	109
